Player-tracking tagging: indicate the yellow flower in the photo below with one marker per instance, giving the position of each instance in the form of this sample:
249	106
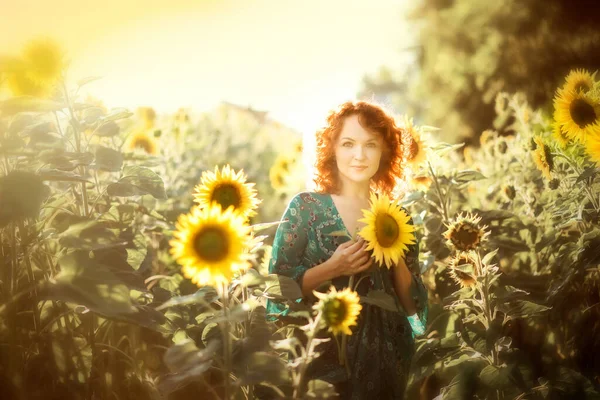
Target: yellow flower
578	114
543	157
279	172
210	245
142	140
339	309
414	147
468	155
147	115
579	80
592	148
388	230
228	189
465	234
559	135
21	84
463	269
487	135
421	182
44	61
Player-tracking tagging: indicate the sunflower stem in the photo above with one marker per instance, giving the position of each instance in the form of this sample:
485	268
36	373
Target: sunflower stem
300	387
226	340
439	193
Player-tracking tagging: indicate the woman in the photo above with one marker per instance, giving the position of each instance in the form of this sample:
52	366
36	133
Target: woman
359	151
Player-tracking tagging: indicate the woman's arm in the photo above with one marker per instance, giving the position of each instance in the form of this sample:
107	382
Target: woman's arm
402	285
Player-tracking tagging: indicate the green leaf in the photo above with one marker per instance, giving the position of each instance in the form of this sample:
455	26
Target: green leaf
108	159
107	129
319	389
28	104
187	364
266	225
381	299
341	233
136	255
204	295
489	256
495	377
61	176
468	176
263	367
443	148
21	196
283	286
86	80
522	309
89	235
138	181
587	173
84	281
117	114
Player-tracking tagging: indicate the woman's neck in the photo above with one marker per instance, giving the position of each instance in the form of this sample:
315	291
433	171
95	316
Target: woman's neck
357	190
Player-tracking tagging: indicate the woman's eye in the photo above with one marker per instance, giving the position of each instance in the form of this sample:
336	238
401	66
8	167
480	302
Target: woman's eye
371	145
347	144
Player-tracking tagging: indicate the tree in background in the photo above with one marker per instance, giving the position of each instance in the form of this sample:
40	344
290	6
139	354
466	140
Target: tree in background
466	52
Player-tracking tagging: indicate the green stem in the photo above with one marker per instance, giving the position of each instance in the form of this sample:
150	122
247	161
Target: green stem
225	327
31	277
439	192
300	388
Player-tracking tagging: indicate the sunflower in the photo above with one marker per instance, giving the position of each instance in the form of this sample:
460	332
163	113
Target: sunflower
578	114
228	189
465	233
279	172
559	135
142	140
543	157
210	244
592	148
388	230
147	115
339	309
414	147
421	182
579	80
44	61
487	135
463	269
20	84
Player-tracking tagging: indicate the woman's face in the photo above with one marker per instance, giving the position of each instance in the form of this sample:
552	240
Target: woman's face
357	151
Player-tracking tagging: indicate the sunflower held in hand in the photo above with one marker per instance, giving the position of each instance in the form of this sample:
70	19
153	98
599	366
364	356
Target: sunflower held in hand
388	231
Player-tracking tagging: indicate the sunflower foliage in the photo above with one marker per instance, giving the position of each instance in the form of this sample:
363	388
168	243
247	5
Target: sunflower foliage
94	302
512	228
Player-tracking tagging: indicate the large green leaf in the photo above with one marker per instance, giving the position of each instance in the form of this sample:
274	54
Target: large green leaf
137	181
496	377
84	281
283	286
21	195
19	104
89	235
108	159
381	299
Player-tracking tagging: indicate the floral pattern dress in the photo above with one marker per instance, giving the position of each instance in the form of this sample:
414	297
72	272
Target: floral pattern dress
382	343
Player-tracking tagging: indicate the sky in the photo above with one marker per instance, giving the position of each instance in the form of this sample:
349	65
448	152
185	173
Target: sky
295	59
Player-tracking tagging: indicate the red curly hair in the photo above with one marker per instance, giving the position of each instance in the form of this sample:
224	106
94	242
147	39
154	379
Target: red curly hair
373	118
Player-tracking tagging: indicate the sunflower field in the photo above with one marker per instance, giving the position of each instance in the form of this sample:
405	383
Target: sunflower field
134	249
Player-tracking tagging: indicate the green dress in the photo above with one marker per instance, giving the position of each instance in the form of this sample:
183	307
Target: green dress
382	343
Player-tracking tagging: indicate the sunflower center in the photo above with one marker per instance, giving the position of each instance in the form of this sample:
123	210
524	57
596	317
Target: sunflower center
143	143
386	230
582	112
334	311
227	195
211	244
466	236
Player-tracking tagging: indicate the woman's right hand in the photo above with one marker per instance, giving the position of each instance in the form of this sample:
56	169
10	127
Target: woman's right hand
351	258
